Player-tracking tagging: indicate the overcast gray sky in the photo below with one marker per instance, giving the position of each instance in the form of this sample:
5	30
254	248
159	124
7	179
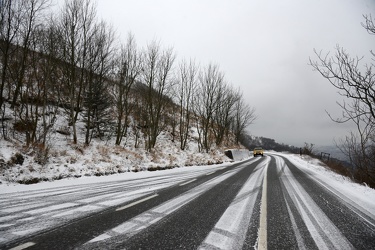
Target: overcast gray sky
262	46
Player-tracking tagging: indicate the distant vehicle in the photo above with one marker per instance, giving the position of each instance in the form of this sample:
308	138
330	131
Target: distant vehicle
258	151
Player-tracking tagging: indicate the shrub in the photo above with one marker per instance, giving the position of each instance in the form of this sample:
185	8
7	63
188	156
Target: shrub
308	149
2	164
63	131
136	169
338	167
42	154
16	159
73	159
23	126
103	151
154	168
78	148
29	181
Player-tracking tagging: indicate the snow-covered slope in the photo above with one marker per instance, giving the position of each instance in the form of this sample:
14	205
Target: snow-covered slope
98	159
102	157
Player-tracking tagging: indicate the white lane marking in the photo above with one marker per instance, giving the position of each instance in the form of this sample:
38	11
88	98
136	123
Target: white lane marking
101	238
185	183
230	231
23	246
218	241
262	238
210	173
136	202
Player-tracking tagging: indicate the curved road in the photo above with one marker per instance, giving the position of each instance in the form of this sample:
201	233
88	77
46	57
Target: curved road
263	203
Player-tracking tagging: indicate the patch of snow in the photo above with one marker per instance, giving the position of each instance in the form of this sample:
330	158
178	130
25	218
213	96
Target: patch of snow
354	193
51	208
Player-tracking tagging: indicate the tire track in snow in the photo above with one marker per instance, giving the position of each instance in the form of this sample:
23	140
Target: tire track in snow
152	216
29	212
332	222
280	233
230	231
324	233
189	225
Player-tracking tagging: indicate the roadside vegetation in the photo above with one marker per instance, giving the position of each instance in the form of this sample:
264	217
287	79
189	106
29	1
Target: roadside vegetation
341	167
354	78
65	77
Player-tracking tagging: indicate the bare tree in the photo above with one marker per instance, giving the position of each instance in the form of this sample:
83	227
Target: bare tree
21	69
206	100
32	13
76	25
186	85
10	22
97	100
18	21
128	67
138	113
244	115
356	83
224	113
359	147
156	74
36	111
46	71
27	111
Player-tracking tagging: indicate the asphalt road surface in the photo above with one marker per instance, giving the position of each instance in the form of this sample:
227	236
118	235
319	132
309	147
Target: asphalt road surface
262	203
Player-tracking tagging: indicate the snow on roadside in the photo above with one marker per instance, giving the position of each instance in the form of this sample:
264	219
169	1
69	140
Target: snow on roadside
15	187
362	195
67	160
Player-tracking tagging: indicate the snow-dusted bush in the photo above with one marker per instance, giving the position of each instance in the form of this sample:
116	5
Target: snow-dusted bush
16	159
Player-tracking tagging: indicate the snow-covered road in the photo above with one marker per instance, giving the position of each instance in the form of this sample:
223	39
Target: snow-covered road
27	212
279	201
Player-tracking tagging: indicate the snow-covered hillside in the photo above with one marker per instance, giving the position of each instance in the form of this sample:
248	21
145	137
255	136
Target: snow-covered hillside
67	160
101	157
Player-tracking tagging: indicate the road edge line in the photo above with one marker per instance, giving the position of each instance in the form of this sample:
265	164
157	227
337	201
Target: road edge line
262	238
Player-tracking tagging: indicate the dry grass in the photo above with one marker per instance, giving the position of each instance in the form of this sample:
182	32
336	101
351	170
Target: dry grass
103	150
78	148
338	167
72	159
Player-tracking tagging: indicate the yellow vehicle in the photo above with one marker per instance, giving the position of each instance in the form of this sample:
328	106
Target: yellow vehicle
258	151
